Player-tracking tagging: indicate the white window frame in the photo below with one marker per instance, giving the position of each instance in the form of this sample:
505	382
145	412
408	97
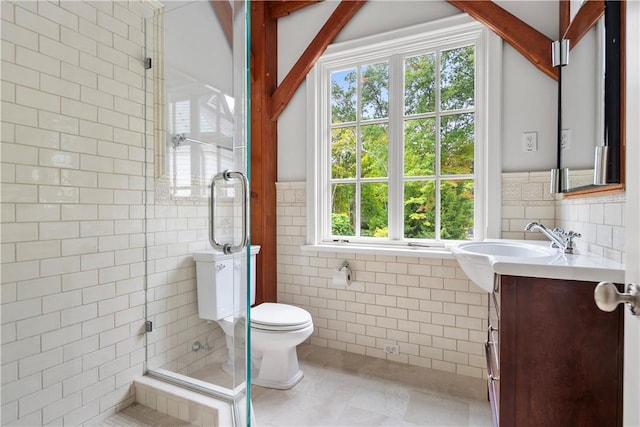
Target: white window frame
416	39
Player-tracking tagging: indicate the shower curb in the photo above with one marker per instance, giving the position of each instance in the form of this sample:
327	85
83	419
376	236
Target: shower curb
186	405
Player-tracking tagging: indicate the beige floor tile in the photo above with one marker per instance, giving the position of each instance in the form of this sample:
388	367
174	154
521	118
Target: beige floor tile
345	389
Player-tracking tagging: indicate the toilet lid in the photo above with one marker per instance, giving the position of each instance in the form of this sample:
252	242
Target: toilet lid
273	316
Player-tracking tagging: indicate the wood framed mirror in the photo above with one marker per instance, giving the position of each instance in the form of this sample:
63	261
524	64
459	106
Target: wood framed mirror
593	86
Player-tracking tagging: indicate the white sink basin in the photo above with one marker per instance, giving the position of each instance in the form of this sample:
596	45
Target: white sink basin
477	258
506	249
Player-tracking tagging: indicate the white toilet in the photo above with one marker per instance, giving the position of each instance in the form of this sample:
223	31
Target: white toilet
276	329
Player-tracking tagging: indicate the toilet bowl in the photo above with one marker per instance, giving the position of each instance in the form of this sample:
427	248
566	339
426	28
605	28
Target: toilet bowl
276	329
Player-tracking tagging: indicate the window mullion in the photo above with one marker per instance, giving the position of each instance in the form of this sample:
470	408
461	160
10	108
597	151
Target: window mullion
396	147
437	147
358	195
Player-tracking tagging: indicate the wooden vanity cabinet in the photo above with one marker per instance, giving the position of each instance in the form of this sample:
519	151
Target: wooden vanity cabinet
554	359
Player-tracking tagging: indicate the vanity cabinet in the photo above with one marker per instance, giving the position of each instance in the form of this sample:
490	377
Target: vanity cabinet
553	358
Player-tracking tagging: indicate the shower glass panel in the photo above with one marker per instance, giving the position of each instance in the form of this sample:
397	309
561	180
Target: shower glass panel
196	127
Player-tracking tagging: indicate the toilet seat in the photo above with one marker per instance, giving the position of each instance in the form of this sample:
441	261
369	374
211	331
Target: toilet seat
279	317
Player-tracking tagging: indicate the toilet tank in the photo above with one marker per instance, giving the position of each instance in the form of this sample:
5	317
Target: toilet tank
221	283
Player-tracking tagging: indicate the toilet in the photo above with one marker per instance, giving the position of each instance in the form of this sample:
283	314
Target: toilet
276	329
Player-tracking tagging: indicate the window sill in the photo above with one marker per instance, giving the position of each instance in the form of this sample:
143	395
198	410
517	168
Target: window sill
435	252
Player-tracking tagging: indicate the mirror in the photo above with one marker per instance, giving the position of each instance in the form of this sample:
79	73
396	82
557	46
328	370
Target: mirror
592	96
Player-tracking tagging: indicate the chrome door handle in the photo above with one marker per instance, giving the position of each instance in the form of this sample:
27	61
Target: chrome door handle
229	248
607	297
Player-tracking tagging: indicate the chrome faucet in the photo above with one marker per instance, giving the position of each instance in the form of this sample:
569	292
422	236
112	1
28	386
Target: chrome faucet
559	238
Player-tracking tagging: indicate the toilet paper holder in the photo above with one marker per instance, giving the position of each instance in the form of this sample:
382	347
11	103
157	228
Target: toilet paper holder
347	266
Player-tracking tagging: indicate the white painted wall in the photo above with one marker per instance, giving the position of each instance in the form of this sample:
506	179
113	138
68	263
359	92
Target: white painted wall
632	323
529	96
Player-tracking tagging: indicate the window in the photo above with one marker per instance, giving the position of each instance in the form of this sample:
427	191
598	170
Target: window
203	116
400	124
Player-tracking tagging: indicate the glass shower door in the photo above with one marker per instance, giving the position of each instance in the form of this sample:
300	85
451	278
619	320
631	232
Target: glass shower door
197	160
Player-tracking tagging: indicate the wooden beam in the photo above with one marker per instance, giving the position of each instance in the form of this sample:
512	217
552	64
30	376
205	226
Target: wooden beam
264	149
282	8
225	17
587	16
531	43
565	15
336	22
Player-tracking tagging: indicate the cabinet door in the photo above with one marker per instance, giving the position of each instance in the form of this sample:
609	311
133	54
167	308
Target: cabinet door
560	357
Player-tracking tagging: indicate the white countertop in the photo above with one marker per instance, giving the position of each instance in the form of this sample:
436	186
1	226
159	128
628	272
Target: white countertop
582	266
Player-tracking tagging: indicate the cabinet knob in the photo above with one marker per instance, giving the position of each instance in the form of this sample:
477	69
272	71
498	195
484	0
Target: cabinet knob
607	297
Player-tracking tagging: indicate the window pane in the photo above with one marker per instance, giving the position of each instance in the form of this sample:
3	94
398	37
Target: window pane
419	147
457	209
182	116
374	209
343	152
343	197
419	84
420	210
375	91
457	78
375	151
456	143
215	115
343	96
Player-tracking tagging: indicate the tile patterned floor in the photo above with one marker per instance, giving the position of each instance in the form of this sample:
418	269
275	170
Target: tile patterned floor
345	389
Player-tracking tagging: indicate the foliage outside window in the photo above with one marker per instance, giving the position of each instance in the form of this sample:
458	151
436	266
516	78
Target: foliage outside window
400	139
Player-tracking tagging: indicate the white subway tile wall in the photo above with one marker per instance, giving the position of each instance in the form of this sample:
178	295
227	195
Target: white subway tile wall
526	198
426	306
72	196
600	220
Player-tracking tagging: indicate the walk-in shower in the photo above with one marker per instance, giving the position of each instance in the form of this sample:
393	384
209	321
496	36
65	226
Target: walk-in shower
196	127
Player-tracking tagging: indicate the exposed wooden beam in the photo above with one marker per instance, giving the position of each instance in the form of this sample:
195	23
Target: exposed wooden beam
264	149
531	43
587	16
225	17
281	8
565	15
336	22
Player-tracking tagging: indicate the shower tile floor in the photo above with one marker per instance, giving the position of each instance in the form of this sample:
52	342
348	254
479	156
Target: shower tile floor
141	416
346	389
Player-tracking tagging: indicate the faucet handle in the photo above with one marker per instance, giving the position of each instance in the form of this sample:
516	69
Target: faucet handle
559	232
570	235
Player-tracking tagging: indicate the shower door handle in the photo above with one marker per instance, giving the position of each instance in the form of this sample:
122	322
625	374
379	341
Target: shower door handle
229	248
